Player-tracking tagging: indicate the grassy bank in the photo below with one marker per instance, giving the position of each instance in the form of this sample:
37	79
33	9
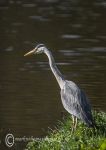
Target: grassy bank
83	138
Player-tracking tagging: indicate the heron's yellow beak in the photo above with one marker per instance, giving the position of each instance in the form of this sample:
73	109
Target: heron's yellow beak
30	52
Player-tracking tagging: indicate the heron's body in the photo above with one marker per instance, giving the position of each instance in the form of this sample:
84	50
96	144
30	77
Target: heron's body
75	102
73	98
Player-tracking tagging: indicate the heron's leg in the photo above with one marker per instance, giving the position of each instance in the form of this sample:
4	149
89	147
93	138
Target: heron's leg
75	124
73	121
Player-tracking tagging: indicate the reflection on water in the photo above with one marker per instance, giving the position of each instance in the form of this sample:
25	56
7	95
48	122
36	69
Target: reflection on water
76	34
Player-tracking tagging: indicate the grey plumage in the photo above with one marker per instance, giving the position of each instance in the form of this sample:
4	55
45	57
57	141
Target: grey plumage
73	98
76	103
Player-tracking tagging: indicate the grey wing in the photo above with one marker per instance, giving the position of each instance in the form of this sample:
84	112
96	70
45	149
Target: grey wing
85	108
75	102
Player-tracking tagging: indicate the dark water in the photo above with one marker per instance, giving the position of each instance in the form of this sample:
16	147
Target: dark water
75	32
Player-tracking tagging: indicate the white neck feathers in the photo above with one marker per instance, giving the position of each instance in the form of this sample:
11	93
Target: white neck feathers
56	72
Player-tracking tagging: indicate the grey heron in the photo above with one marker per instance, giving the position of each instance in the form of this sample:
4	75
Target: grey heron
73	98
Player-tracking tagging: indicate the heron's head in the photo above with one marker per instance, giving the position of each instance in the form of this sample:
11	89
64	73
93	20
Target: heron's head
37	50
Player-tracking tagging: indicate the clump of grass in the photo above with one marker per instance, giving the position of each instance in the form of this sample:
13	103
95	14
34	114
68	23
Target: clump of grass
83	138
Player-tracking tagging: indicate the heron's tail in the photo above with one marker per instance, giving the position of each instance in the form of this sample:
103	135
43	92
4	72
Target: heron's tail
90	121
92	124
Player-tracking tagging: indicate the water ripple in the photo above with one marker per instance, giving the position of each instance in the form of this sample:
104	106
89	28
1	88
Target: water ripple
70	36
70	53
17	23
10	48
29	5
38	18
93	49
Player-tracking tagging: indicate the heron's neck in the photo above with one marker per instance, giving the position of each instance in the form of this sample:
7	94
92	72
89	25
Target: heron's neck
56	72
